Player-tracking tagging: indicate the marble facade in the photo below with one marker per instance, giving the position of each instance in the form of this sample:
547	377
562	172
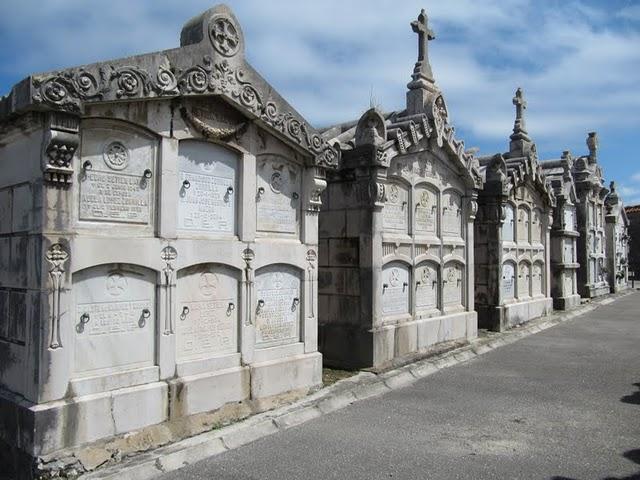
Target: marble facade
589	182
564	233
512	242
159	240
396	231
617	241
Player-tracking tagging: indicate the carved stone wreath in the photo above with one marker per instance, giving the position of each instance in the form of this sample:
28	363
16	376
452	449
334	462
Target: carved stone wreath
224	36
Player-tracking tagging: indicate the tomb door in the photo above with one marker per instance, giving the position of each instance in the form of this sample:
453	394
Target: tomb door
426	280
395	214
115	318
279	195
207	188
426	210
207	302
279	303
452	285
508	281
395	289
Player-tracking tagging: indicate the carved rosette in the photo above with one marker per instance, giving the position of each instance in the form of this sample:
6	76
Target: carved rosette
224	35
56	256
168	256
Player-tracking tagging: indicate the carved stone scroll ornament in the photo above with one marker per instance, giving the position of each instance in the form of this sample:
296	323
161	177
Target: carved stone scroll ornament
56	256
377	193
168	255
58	156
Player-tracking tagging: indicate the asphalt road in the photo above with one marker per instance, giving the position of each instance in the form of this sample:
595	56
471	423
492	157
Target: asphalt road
562	404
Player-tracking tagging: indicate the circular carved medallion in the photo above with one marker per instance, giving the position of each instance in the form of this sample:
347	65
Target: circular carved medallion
224	36
116	156
116	284
208	284
277	181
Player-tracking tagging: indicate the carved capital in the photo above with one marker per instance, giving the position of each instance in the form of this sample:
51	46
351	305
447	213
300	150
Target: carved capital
60	145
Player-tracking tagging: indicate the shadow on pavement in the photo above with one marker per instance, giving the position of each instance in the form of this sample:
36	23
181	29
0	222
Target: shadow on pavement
633	399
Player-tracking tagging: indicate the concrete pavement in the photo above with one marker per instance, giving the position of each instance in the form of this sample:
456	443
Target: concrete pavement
562	404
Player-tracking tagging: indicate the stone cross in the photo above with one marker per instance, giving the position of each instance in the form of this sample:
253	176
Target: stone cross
520	103
425	34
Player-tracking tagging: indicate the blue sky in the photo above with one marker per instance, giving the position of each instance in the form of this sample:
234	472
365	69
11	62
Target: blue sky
577	61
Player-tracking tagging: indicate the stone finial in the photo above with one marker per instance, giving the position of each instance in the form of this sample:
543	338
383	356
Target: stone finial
420	26
592	144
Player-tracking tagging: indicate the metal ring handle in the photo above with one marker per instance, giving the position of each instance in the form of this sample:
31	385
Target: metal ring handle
84	318
87	165
186	184
147	173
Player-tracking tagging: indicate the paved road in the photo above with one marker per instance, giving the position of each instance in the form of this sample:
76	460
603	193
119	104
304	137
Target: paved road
563	404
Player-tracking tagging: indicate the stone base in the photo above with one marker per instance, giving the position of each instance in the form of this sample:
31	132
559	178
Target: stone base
591	291
299	372
566	303
507	316
620	288
344	346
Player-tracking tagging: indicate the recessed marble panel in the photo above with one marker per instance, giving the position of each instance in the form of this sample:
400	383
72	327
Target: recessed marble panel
426	278
279	195
395	214
569	218
451	213
278	305
207	316
524	279
453	283
426	209
508	281
207	188
115	320
523	224
568	254
508	227
395	289
117	177
568	284
537	278
536	226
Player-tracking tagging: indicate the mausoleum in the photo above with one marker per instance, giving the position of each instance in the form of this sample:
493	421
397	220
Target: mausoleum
564	233
396	230
617	240
158	240
512	254
589	183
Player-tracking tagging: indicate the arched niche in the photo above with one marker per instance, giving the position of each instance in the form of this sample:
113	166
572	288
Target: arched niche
207	188
208	311
395	289
524	221
279	195
278	305
115	318
537	230
395	214
508	280
537	278
453	285
524	279
451	213
508	227
426	199
116	174
426	281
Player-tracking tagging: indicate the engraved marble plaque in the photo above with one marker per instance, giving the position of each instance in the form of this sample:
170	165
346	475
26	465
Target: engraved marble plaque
537	278
523	224
426	287
426	210
114	318
207	311
507	284
117	175
524	279
569	218
569	288
279	303
452	283
567	250
207	188
536	227
395	214
279	195
508	226
451	213
395	289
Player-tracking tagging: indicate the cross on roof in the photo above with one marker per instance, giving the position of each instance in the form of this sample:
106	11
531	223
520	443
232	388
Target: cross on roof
520	103
421	27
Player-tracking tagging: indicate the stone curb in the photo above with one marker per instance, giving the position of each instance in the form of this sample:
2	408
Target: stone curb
341	394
